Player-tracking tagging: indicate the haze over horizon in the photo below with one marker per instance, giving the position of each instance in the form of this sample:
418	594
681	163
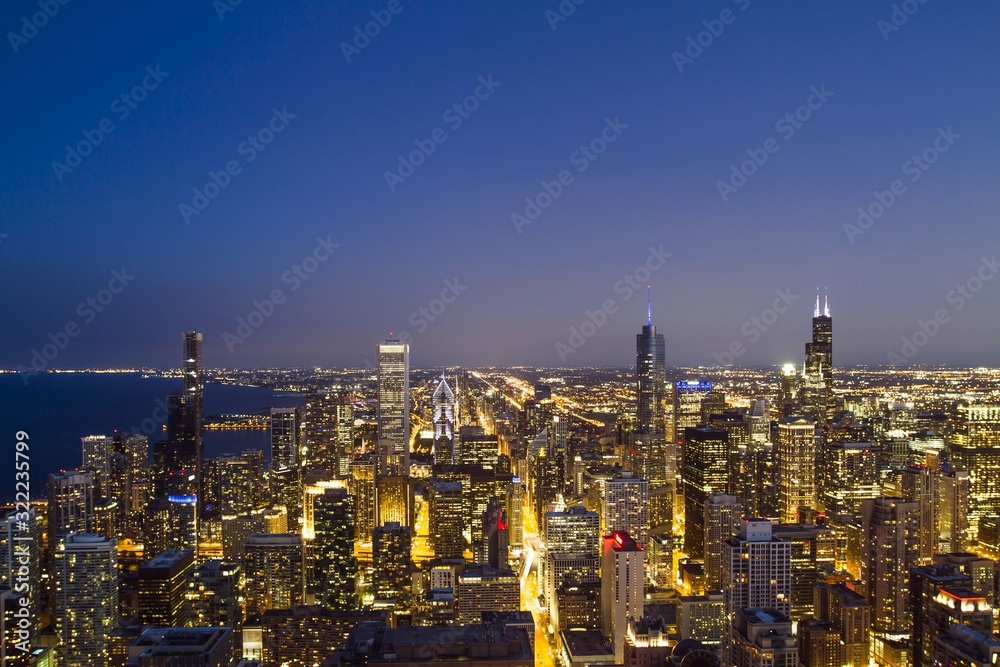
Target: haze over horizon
601	113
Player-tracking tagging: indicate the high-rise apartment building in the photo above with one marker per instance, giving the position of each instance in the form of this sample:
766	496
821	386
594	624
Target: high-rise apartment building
622	587
275	572
625	506
285	438
85	586
722	519
890	548
335	568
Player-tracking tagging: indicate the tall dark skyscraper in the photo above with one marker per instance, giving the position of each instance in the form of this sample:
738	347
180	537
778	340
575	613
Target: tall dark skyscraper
817	380
194	409
651	376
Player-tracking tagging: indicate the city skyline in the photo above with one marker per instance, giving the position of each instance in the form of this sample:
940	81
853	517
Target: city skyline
314	206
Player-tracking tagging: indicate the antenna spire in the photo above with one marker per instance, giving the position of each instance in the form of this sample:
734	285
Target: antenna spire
826	302
816	311
649	305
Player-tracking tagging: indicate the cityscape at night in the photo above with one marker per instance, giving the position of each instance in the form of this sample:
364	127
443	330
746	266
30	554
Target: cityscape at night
500	334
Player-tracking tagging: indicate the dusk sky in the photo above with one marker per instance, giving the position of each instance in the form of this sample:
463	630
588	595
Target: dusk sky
675	116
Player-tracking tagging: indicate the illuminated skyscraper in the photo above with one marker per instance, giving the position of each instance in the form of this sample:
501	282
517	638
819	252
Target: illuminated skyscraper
319	431
275	572
974	445
706	472
392	567
940	596
21	562
756	575
443	415
622	587
97	451
447	519
483	588
757	569
688	396
797	463
817	380
394	402
86	598
71	504
361	484
849	613
625	507
890	548
651	376
495	546
194	394
215	595
722	520
285	441
163	586
336	568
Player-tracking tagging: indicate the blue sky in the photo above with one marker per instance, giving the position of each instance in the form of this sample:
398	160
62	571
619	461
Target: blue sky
655	185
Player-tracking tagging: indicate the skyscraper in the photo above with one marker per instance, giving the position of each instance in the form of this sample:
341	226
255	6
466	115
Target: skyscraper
622	588
890	548
163	586
797	463
194	394
688	395
625	506
722	520
443	415
319	432
757	569
651	376
86	598
392	567
817	380
394	402
285	441
275	571
756	576
71	504
97	451
447	519
706	471
336	568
